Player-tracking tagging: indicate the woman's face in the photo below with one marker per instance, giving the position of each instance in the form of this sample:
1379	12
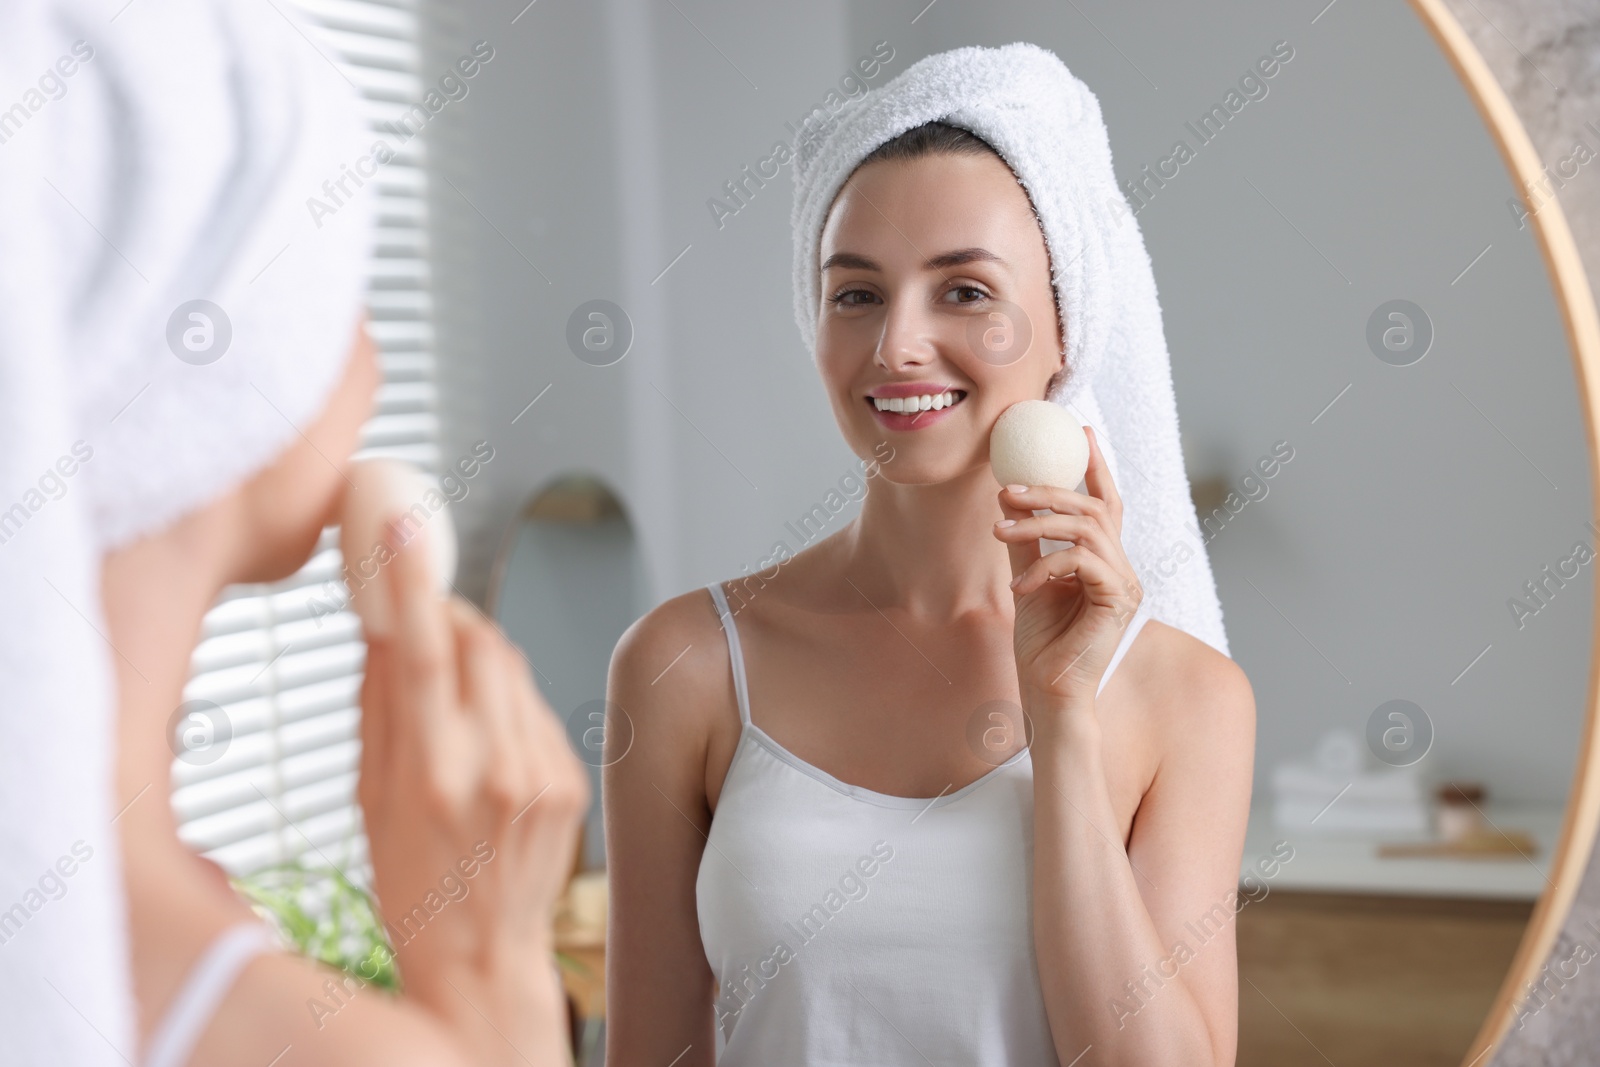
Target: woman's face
935	283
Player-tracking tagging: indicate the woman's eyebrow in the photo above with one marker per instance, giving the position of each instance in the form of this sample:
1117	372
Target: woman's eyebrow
943	260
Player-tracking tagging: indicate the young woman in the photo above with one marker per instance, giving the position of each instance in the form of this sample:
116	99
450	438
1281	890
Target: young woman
213	441
832	841
456	745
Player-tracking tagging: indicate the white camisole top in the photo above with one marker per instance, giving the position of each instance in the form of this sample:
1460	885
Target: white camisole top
846	926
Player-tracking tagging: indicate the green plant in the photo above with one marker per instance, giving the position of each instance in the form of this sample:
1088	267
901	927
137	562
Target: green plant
326	916
330	918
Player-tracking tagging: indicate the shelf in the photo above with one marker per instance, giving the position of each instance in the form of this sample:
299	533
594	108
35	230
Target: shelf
1343	862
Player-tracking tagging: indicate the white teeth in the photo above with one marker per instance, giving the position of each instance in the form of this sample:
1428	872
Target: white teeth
926	402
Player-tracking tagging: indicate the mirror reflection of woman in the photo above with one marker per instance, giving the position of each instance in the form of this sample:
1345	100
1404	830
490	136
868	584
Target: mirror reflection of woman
832	839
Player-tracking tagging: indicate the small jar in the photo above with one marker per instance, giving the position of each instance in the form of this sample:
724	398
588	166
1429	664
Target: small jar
1456	813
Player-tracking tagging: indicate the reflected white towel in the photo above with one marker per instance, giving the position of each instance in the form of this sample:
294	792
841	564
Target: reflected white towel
1046	124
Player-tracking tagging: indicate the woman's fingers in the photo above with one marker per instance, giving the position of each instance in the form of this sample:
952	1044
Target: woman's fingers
527	706
375	726
1023	552
1100	580
1102	504
564	773
470	762
1032	498
422	642
1079	529
527	714
488	699
478	681
1108	512
1097	479
559	778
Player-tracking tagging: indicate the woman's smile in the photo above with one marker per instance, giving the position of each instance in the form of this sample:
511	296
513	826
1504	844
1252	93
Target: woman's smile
912	405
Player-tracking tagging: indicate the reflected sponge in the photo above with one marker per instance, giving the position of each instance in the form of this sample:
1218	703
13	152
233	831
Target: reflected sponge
380	490
1036	442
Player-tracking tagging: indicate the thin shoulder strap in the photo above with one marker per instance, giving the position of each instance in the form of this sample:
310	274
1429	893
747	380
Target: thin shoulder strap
1128	634
735	652
207	985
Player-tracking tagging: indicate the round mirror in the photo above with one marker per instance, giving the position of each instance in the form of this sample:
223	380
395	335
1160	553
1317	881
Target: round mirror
1383	349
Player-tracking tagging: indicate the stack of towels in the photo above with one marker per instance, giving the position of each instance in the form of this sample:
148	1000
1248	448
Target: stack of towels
1340	790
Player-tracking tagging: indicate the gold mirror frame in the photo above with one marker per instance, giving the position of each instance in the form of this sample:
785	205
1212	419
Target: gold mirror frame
1576	302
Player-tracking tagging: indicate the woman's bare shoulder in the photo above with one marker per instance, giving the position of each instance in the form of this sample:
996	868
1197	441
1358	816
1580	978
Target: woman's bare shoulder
1198	720
670	671
682	636
1191	686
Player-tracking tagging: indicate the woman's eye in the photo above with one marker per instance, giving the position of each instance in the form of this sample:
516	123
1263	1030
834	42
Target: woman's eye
966	294
842	299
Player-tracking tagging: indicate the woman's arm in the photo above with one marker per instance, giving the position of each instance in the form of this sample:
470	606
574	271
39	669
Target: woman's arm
1135	943
669	677
473	801
309	1015
178	904
455	743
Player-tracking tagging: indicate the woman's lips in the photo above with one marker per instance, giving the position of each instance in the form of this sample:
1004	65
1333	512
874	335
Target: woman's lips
912	420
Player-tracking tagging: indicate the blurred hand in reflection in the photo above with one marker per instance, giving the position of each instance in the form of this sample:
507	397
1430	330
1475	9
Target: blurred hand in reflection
471	794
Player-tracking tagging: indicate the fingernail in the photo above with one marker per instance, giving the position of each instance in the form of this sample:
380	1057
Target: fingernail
1006	522
1015	580
1017	488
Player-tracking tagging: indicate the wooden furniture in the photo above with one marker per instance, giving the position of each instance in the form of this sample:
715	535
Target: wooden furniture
581	941
1353	958
1359	980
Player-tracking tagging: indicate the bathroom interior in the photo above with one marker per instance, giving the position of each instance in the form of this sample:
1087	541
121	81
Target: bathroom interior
585	264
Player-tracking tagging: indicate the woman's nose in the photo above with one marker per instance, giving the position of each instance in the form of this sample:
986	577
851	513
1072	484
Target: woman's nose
907	339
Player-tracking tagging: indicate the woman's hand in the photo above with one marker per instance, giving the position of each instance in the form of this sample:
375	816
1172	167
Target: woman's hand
473	802
1071	604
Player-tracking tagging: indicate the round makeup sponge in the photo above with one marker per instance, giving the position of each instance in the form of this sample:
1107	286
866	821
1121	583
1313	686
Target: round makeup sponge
384	489
1035	442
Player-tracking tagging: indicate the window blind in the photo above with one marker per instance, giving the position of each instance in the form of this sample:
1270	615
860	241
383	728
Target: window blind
271	776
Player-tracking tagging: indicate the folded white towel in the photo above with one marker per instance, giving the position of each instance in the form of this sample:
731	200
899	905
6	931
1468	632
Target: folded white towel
1303	781
1046	124
1351	816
